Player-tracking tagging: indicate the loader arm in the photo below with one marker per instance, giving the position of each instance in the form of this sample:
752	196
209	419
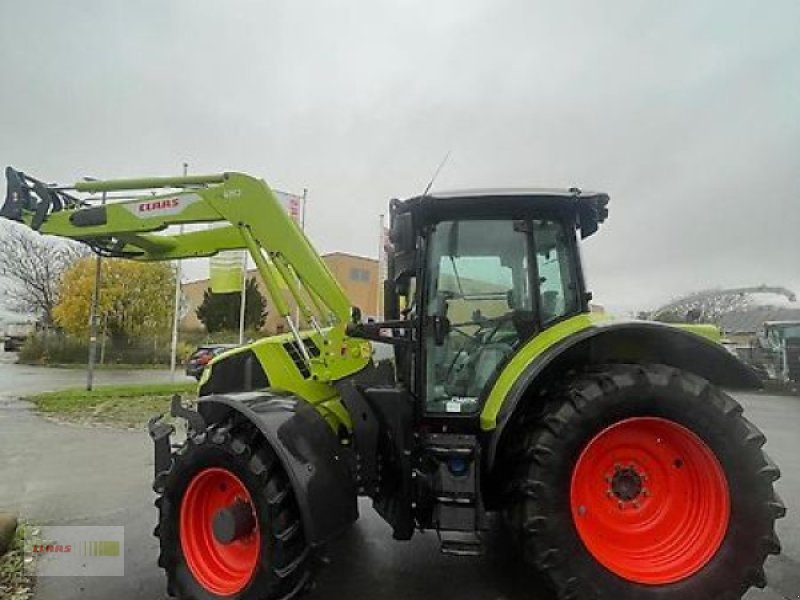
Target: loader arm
136	226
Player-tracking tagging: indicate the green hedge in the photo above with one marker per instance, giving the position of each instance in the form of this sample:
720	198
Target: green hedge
64	349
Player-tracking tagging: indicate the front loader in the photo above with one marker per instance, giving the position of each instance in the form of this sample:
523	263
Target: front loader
621	467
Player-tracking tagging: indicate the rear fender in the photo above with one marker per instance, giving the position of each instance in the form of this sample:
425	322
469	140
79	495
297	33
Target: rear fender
601	343
308	450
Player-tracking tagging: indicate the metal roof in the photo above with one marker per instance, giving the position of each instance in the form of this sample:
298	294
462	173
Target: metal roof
546	192
751	320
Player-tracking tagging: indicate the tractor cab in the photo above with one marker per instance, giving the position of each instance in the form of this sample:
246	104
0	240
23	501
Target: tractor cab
477	274
471	277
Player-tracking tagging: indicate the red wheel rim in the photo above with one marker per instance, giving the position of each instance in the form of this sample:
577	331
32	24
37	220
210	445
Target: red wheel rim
222	569
650	500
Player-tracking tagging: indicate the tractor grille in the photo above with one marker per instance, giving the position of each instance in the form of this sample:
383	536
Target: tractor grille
293	350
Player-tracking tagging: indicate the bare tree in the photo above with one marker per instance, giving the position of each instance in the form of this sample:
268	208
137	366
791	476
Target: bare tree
31	266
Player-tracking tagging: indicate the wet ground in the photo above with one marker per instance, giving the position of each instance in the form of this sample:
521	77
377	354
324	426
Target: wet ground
67	474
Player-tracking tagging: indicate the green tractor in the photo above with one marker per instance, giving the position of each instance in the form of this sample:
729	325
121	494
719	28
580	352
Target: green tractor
620	466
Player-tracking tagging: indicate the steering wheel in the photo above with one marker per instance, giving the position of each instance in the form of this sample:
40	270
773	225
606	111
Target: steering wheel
476	338
483	323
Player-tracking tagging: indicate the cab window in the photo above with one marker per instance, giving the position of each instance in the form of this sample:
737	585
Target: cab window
558	287
479	282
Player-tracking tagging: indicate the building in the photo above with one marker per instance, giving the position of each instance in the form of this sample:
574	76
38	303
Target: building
740	326
358	276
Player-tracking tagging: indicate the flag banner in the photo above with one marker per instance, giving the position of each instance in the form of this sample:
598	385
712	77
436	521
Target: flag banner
386	242
293	204
384	251
226	272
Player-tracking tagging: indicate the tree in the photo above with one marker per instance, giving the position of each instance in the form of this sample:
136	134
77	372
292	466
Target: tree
220	312
33	265
711	305
136	299
707	306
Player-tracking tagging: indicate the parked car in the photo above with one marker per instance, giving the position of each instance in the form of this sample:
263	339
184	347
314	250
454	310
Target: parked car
13	343
202	356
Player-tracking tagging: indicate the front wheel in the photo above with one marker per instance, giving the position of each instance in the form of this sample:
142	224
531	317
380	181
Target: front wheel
229	526
643	482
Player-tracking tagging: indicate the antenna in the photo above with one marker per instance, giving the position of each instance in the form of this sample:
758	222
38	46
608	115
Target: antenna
436	173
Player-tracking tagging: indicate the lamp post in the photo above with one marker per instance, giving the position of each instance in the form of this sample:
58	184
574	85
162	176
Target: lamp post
93	318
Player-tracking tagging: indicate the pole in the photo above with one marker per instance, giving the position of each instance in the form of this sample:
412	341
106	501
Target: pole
173	358
303	227
243	303
93	318
303	212
381	259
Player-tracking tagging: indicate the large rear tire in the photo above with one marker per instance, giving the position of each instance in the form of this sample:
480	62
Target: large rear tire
230	475
642	482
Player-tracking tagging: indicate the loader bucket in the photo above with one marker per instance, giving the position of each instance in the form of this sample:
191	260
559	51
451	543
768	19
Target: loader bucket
24	194
18	196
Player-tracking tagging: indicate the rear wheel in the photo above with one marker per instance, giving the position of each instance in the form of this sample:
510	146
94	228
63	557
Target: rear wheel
228	521
643	482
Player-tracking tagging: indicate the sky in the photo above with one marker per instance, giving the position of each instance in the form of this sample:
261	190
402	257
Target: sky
687	113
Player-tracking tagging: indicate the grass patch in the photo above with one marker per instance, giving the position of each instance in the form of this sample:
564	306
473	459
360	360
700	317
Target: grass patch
107	367
15	583
128	406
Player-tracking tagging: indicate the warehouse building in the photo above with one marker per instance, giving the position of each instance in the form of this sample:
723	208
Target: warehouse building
358	276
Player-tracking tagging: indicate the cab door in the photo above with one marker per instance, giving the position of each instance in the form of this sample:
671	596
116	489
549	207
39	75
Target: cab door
491	285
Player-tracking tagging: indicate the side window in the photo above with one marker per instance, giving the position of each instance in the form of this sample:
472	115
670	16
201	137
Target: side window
558	290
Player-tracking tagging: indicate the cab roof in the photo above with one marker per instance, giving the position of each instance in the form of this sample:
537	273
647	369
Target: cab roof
588	209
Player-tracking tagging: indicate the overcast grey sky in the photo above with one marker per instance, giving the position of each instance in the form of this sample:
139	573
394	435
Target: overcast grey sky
686	112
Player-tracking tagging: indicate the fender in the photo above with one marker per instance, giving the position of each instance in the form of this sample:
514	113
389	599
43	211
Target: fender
308	450
587	339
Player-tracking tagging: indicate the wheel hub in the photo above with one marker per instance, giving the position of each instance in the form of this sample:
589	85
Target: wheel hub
234	522
626	484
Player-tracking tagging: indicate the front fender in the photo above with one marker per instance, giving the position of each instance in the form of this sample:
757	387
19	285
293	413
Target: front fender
584	340
308	450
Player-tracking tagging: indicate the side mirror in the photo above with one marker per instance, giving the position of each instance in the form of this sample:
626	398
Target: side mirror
391	309
402	234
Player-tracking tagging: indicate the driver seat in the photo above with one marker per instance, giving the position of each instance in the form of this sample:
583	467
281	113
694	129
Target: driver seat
485	364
